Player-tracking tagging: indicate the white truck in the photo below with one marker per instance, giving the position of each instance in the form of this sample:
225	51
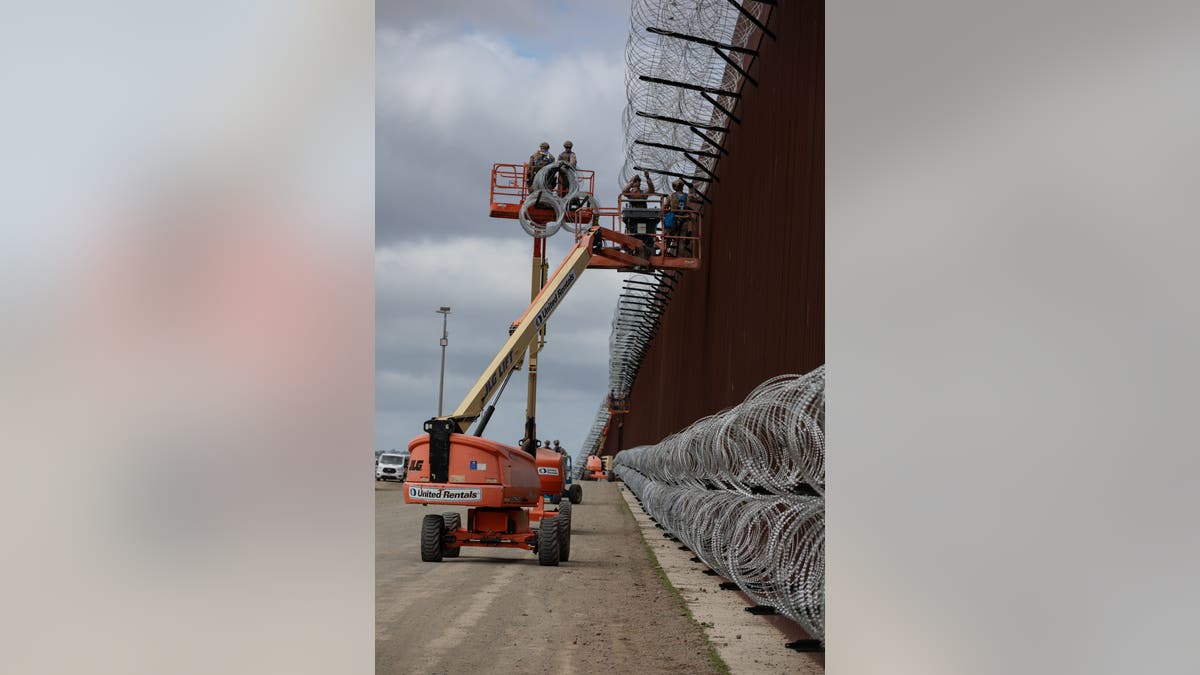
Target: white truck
391	466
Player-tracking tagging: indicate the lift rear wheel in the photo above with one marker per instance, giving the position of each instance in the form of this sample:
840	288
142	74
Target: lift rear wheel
564	533
575	493
453	522
564	513
433	538
547	542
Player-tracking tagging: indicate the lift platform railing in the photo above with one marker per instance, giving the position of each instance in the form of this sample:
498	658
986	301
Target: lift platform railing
509	188
678	249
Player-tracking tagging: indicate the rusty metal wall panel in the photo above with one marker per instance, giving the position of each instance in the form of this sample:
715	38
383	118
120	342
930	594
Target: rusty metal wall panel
757	308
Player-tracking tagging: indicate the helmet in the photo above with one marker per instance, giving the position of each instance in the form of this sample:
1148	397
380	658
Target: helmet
677	183
568	144
556	441
544	145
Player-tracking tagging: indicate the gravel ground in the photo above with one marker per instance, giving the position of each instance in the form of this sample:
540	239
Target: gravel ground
496	611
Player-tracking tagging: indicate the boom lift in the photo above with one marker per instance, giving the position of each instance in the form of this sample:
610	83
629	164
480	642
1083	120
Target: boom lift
503	485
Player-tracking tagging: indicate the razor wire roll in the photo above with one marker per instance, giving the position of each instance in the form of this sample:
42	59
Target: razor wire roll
651	138
744	490
543	195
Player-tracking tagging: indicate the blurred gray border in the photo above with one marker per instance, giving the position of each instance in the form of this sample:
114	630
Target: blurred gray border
1012	322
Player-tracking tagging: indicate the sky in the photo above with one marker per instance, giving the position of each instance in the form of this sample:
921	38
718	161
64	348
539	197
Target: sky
460	86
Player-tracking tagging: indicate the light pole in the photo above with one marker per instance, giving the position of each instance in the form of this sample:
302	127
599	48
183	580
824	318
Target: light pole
444	311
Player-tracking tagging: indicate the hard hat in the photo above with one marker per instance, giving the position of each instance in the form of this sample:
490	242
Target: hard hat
556	441
677	183
544	145
567	144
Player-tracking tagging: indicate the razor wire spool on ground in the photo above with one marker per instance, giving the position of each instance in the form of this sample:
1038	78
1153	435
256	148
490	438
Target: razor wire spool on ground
728	487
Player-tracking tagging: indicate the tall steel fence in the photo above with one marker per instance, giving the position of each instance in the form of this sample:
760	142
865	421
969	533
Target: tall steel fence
687	62
744	490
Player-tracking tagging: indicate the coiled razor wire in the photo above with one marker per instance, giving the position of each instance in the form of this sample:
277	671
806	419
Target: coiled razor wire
656	54
744	490
544	196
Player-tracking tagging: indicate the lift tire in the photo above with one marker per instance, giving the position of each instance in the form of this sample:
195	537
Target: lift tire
564	513
547	540
564	524
554	499
453	522
564	536
575	493
433	538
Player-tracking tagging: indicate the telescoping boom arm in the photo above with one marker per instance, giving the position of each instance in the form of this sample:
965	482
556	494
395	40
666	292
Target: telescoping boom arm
523	335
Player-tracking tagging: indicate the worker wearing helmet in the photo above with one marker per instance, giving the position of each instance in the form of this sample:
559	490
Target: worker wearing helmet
674	215
567	156
633	196
557	447
537	160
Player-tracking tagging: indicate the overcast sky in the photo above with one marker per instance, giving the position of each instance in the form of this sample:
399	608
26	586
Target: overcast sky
459	86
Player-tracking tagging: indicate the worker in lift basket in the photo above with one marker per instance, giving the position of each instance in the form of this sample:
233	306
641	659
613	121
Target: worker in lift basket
567	156
674	215
537	160
634	197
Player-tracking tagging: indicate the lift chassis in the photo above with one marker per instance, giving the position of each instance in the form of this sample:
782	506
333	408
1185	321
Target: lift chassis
500	484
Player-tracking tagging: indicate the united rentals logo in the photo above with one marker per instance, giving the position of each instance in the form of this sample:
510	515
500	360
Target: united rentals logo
438	494
554	299
547	471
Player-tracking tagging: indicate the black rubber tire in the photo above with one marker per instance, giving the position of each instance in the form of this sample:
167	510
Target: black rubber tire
548	554
433	537
453	522
575	493
564	512
564	542
554	499
564	534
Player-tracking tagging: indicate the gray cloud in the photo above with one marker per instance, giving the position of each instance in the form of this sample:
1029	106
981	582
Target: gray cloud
558	26
449	106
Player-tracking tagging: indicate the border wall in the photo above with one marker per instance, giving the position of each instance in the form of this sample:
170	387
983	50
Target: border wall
756	308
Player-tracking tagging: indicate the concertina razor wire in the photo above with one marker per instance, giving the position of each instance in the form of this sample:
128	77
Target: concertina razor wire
686	65
542	195
744	490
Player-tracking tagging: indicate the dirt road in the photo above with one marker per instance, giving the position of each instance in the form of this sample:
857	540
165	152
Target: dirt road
497	611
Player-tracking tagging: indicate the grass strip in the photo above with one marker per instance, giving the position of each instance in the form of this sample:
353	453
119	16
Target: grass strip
714	659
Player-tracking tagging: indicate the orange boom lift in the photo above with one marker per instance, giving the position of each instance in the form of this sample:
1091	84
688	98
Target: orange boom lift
503	485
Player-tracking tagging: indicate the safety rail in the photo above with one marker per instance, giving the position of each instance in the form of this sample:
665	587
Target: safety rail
680	250
510	187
